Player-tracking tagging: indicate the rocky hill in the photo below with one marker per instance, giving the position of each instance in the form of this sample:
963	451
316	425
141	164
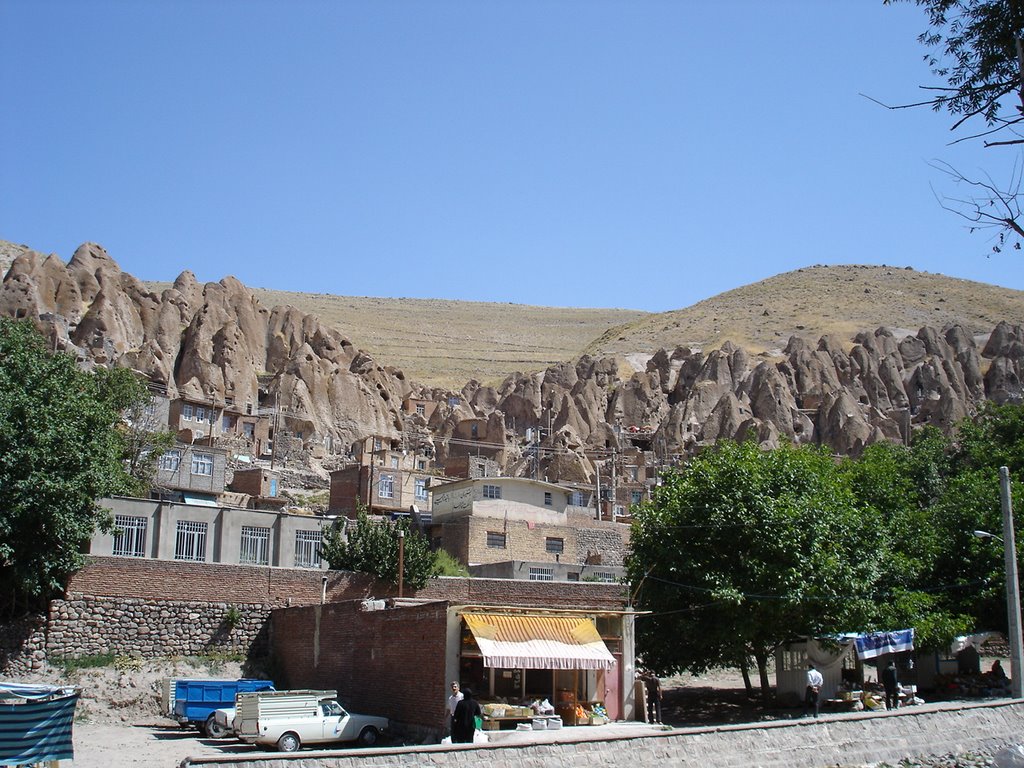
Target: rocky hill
220	343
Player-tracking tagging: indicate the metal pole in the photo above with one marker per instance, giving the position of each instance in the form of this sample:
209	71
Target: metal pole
401	560
1012	588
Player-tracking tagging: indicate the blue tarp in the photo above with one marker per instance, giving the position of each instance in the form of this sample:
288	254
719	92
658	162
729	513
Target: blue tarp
35	723
875	644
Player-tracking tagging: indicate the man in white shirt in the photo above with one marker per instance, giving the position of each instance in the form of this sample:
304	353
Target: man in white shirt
453	701
812	696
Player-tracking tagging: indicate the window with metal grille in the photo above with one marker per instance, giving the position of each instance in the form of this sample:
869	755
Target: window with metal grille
307	549
421	487
421	409
190	542
547	499
130	538
605	577
492	491
386	487
542	574
255	546
169	461
554	546
202	464
495	540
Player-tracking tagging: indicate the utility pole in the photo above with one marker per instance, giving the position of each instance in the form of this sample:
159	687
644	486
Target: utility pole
597	492
1012	588
277	425
614	489
401	560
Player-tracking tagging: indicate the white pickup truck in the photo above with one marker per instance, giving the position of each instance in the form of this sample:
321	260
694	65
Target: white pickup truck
289	719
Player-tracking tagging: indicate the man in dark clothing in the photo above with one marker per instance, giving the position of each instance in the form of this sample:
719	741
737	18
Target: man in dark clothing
464	719
890	681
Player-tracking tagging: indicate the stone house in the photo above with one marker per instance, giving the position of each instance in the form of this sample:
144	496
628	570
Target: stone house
513	527
190	473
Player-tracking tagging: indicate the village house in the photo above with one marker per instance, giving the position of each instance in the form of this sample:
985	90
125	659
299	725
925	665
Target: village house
193	474
163	530
387	479
518	528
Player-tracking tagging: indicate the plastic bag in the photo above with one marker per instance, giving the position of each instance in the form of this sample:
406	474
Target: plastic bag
1011	757
479	737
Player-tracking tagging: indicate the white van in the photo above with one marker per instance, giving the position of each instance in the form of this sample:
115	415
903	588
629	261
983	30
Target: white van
290	719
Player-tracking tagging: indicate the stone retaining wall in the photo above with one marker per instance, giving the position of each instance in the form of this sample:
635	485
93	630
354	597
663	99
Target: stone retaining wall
843	740
22	646
86	626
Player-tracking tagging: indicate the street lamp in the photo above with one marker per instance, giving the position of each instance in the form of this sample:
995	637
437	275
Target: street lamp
1012	585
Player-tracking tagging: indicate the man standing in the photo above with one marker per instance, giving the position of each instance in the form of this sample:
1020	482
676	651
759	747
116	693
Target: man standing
812	697
890	681
453	702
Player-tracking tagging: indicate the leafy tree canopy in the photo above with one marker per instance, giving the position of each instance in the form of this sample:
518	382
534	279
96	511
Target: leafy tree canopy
743	549
61	449
372	547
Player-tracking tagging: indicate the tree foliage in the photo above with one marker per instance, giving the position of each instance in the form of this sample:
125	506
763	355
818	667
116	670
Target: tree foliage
372	547
744	549
61	449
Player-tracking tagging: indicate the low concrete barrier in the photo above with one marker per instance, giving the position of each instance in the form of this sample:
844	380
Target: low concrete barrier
847	739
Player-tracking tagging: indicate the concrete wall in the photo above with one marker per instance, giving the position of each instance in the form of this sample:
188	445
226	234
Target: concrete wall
224	529
846	740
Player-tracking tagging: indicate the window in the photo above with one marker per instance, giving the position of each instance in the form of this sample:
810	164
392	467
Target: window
542	574
226	423
547	498
554	546
492	491
249	430
495	540
202	464
186	412
634	474
421	488
572	576
307	549
376	444
576	499
604	577
130	538
394	462
386	487
255	546
474	431
169	461
421	463
200	413
637	496
421	409
190	543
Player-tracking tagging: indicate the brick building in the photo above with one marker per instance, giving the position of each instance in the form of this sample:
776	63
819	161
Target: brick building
191	474
386	479
526	526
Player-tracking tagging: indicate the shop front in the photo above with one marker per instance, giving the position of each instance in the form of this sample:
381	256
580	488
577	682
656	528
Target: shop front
528	662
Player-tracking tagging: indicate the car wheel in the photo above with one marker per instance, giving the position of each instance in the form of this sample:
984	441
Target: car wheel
288	743
213	729
368	736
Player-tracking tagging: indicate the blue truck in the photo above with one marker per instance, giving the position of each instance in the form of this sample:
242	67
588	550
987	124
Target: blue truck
195	701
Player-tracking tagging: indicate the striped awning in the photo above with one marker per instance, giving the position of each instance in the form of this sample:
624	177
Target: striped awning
538	642
35	723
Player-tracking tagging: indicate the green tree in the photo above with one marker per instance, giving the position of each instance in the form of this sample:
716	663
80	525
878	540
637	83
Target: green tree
61	450
743	549
372	547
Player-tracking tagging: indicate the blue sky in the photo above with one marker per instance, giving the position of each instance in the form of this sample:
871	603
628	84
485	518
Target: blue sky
632	154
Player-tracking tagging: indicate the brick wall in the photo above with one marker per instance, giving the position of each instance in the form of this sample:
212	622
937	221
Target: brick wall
244	584
345	490
388	662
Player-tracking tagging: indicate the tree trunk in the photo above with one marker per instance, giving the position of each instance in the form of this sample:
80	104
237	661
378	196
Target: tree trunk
745	670
761	657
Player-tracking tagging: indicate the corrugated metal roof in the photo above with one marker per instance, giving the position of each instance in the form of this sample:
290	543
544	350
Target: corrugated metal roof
538	642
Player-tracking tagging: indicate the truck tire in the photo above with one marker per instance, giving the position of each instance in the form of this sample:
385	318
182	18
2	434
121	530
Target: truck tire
368	736
289	742
213	729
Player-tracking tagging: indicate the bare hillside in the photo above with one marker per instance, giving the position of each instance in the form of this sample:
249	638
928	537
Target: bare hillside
819	300
447	343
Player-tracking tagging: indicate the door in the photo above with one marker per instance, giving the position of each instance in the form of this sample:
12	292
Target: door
610	686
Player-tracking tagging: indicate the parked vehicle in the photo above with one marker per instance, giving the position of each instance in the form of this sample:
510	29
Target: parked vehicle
288	720
196	700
